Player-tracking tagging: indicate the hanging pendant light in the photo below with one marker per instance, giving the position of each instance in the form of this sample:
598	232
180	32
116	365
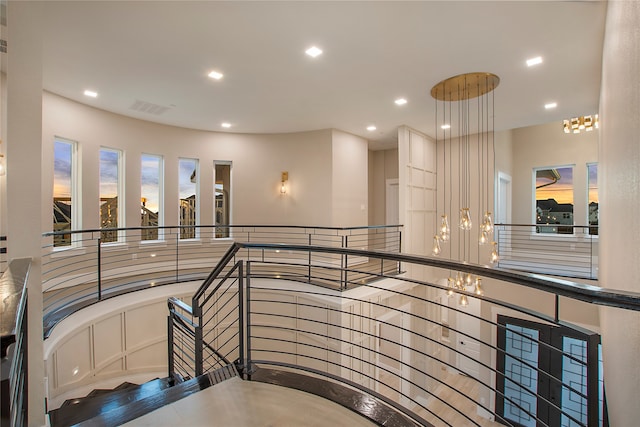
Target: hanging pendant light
465	111
484	237
436	246
479	290
451	283
494	258
487	222
464	301
465	219
445	230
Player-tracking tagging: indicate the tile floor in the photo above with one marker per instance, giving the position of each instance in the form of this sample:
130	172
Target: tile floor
237	403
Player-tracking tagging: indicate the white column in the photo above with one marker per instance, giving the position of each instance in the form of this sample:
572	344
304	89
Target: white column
619	183
24	181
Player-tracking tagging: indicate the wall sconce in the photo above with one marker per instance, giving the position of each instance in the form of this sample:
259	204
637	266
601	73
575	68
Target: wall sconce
283	183
3	168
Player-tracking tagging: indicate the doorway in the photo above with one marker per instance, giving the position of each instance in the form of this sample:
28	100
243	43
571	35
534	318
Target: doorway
548	375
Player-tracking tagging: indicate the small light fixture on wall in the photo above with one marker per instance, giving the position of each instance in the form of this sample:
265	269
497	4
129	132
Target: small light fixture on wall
283	182
3	168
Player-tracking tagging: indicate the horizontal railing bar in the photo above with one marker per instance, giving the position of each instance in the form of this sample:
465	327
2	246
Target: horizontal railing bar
579	291
229	226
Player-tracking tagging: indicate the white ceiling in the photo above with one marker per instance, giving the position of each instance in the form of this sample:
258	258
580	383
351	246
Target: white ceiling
374	52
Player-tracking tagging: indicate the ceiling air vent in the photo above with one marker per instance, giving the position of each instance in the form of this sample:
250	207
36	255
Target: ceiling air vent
3	46
148	107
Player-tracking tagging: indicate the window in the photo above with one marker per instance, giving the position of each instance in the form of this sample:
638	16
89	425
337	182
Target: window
592	173
110	182
188	188
554	200
65	202
222	186
150	195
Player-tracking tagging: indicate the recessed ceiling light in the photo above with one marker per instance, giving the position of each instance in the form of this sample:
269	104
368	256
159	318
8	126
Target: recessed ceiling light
226	125
445	127
313	51
371	128
215	75
534	61
550	105
91	93
400	101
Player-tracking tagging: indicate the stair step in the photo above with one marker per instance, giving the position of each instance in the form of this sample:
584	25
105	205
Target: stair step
126	385
85	408
117	414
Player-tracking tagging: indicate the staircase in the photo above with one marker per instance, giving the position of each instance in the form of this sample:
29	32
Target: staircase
113	407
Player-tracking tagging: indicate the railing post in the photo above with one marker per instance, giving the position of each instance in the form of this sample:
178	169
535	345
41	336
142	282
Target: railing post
170	355
177	252
399	249
198	343
241	313
99	267
309	276
345	265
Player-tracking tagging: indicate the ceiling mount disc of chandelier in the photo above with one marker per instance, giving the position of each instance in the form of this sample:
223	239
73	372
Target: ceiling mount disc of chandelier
465	86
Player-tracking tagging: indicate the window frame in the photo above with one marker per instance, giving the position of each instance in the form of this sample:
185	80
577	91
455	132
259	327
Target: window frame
75	192
160	213
196	208
120	188
536	231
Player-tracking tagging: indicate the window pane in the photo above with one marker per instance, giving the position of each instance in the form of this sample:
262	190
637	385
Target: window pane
188	180
592	170
554	200
521	376
62	191
109	188
150	192
222	187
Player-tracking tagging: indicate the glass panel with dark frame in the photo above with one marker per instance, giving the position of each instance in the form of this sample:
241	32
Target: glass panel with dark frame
150	195
592	173
548	375
63	191
222	188
188	188
109	192
554	200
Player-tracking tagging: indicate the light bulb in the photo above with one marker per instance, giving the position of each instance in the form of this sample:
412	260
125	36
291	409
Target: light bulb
445	231
494	253
465	219
484	237
468	280
464	301
451	282
487	222
436	246
459	281
479	290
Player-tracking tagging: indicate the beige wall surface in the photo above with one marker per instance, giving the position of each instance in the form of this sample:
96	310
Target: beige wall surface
257	162
547	146
620	199
383	165
349	180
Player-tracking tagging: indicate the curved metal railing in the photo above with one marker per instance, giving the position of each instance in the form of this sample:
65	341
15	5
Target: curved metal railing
87	270
402	338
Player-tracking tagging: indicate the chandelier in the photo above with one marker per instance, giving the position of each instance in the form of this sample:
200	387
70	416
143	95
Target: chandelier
465	118
578	124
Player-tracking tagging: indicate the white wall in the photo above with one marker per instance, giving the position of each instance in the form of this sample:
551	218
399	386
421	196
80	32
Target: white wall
619	182
349	186
546	146
417	188
313	159
383	165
